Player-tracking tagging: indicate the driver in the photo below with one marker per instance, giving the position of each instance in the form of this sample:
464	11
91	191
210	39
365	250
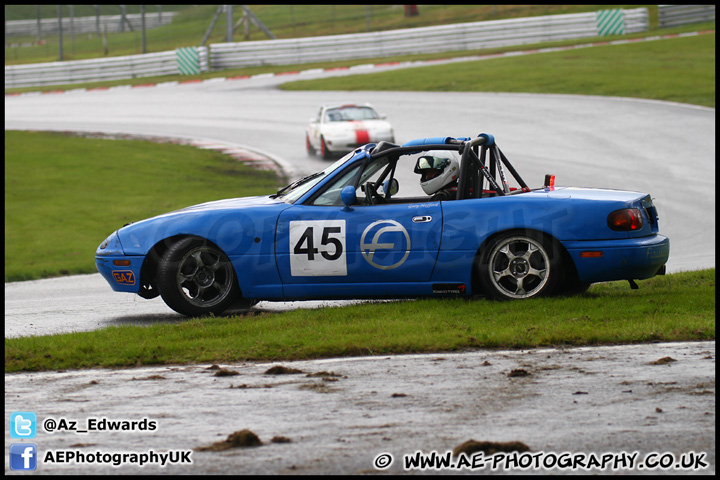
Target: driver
438	171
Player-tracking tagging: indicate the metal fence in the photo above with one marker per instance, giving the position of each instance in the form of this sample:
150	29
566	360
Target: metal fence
676	15
444	38
95	24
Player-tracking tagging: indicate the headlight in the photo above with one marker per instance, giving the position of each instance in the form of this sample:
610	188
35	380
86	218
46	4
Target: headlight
110	246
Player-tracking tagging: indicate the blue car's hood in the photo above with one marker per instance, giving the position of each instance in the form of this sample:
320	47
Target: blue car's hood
219	221
227	203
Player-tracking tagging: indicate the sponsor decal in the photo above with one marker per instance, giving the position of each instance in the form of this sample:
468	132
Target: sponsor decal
449	288
124	277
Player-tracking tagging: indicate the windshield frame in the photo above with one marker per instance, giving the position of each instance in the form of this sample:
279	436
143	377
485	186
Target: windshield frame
304	185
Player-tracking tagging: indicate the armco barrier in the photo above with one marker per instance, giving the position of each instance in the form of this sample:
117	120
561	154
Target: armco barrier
676	15
442	38
95	70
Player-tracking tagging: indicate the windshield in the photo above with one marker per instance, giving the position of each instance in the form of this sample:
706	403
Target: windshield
346	114
297	189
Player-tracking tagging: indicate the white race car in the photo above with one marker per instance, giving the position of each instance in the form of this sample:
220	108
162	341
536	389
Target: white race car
339	129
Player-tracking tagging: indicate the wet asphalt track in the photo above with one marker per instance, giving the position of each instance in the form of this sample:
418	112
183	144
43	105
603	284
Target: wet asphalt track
580	400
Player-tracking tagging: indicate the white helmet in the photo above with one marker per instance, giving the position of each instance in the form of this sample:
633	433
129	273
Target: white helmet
437	168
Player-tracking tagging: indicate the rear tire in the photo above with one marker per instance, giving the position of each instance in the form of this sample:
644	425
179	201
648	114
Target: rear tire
520	265
195	278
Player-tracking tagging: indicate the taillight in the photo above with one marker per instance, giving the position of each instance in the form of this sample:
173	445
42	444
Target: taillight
625	220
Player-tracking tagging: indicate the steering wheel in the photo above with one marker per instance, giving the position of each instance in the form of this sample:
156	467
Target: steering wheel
371	194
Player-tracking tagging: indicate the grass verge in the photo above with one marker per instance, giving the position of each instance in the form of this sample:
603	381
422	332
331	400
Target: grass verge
65	194
678	307
678	69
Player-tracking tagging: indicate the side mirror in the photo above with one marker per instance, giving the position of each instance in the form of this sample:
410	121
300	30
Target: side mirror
391	187
348	196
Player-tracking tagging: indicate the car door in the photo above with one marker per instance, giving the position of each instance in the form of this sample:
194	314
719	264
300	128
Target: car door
363	251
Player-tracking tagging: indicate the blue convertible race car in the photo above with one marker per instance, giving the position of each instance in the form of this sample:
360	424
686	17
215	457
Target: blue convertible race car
464	223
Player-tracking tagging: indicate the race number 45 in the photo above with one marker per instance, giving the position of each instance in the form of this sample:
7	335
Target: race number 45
317	248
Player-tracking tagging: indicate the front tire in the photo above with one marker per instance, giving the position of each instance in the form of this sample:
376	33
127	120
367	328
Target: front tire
195	278
308	146
519	266
324	152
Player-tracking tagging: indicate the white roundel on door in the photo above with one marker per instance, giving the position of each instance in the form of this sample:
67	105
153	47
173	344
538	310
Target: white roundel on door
385	244
317	248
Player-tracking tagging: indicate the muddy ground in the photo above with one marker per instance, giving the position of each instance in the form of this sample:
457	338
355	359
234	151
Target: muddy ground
340	416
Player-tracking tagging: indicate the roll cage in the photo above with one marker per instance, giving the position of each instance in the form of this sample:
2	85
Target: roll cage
482	164
484	170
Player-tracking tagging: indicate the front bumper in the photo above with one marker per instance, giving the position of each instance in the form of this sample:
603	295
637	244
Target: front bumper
122	278
122	272
635	258
349	141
